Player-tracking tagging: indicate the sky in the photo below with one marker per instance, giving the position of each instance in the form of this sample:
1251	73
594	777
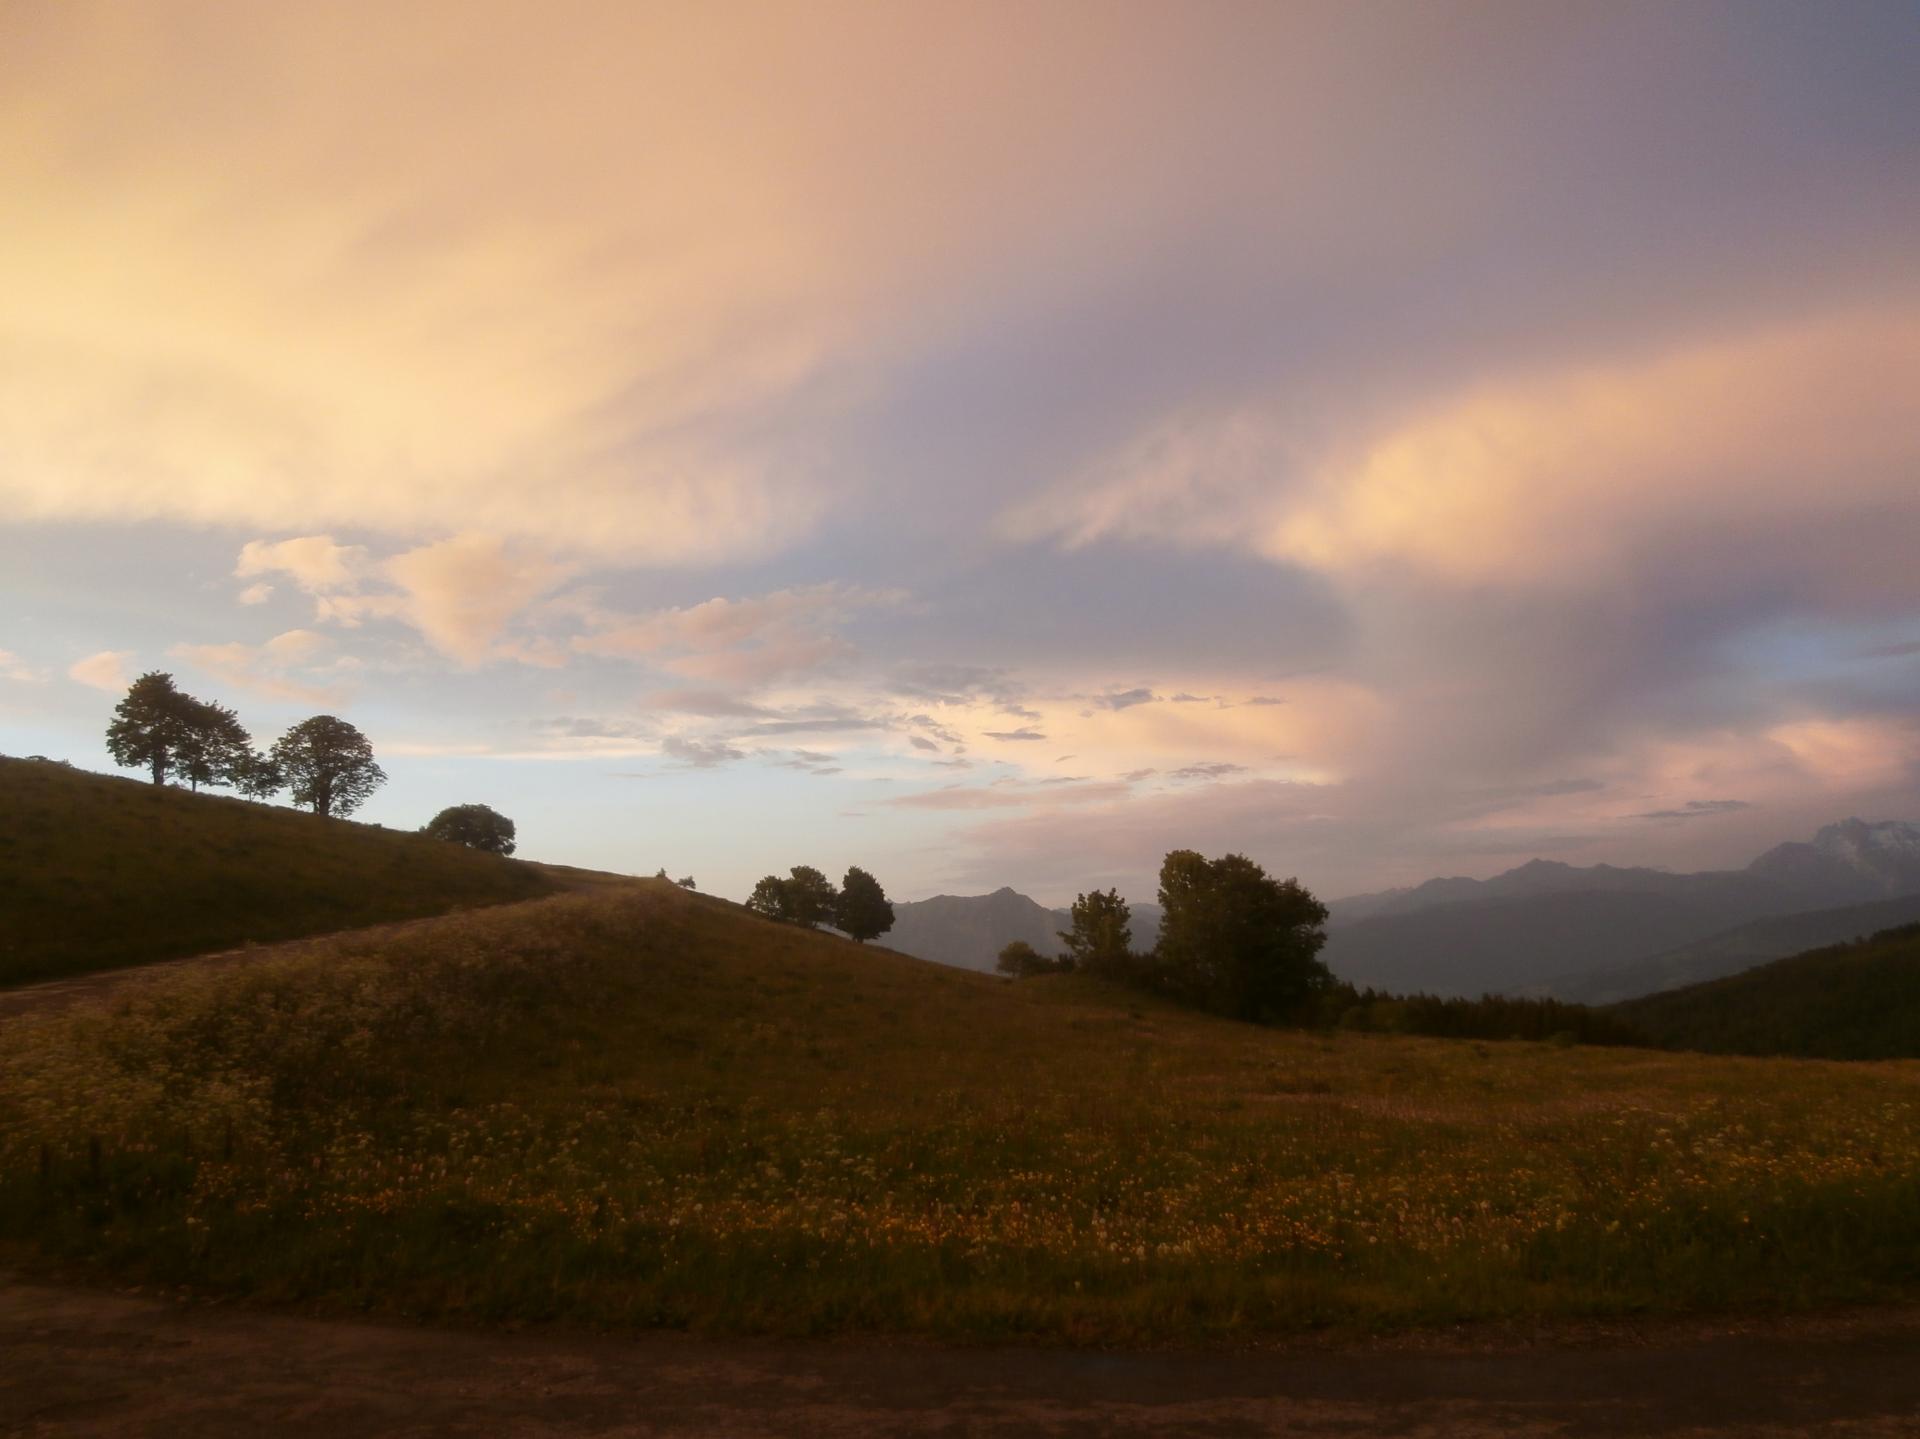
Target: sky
989	443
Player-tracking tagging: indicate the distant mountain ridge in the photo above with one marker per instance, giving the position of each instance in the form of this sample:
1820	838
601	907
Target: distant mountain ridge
970	930
1557	929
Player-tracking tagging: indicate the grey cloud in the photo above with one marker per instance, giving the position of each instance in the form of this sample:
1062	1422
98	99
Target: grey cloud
920	743
570	727
1022	733
1134	776
1263	700
1208	771
1891	652
1126	699
707	704
700	754
1697	808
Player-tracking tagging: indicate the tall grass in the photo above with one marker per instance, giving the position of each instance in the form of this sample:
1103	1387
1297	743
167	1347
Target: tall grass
98	871
644	1108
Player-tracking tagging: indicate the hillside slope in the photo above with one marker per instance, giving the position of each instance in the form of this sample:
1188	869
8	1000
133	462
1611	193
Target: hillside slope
1850	1001
1742	947
644	1107
98	871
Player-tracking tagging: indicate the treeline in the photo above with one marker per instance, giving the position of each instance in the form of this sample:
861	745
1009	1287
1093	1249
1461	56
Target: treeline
325	763
1237	942
859	908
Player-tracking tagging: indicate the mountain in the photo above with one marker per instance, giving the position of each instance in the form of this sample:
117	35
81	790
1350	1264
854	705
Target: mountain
1552	928
1849	1001
1852	860
970	930
1741	948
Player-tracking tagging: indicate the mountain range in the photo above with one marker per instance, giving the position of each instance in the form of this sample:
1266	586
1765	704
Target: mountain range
1596	933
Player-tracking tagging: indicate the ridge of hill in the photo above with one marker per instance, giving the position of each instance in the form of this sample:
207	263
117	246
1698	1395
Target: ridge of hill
969	930
1847	1001
98	871
642	1107
1740	948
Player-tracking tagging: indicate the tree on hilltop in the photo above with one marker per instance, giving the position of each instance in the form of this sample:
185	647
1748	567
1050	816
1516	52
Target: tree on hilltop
328	764
1020	960
151	725
1237	941
1101	940
862	910
805	896
477	826
215	748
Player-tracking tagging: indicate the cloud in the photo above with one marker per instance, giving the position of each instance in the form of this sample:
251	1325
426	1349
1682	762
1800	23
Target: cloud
747	642
270	669
256	594
12	667
1216	769
462	592
918	742
708	704
106	670
313	562
1697	809
1010	795
700	754
1126	699
1892	651
1263	700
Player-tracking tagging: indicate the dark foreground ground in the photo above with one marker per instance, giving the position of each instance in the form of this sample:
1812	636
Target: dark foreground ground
86	1363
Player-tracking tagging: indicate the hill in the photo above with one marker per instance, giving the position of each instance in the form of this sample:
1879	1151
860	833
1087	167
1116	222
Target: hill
1740	948
644	1107
970	930
1849	1001
98	871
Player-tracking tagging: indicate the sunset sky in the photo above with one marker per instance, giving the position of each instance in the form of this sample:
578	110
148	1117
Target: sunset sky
988	443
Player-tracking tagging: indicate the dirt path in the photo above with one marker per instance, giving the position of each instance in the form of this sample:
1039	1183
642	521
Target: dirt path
107	1366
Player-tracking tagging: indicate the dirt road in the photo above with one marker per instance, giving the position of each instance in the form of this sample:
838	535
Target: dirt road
105	1366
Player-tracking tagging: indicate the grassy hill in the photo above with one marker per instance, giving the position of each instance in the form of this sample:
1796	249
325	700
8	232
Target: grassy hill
98	871
644	1107
1849	1001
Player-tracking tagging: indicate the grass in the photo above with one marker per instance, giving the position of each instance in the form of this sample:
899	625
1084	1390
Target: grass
98	871
1846	1001
641	1107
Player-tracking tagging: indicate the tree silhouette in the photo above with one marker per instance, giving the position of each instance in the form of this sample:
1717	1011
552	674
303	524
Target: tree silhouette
1236	941
151	725
1101	940
477	826
215	749
1021	960
810	896
328	764
769	897
862	909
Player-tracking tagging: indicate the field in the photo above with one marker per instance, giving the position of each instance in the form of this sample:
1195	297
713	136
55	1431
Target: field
642	1107
98	871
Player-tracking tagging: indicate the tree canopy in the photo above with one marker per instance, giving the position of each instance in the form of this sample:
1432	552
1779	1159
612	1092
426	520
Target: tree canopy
328	764
150	725
1101	940
1022	961
1236	941
477	826
862	910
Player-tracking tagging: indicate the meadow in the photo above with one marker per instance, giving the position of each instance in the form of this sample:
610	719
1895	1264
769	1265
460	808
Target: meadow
98	871
643	1107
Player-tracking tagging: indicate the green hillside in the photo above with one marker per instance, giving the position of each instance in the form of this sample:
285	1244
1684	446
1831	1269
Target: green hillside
1849	1001
98	871
642	1107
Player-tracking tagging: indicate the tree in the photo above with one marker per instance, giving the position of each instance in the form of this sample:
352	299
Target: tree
477	826
769	897
862	909
810	896
258	777
686	882
151	725
328	764
1236	941
1022	961
1101	940
215	748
